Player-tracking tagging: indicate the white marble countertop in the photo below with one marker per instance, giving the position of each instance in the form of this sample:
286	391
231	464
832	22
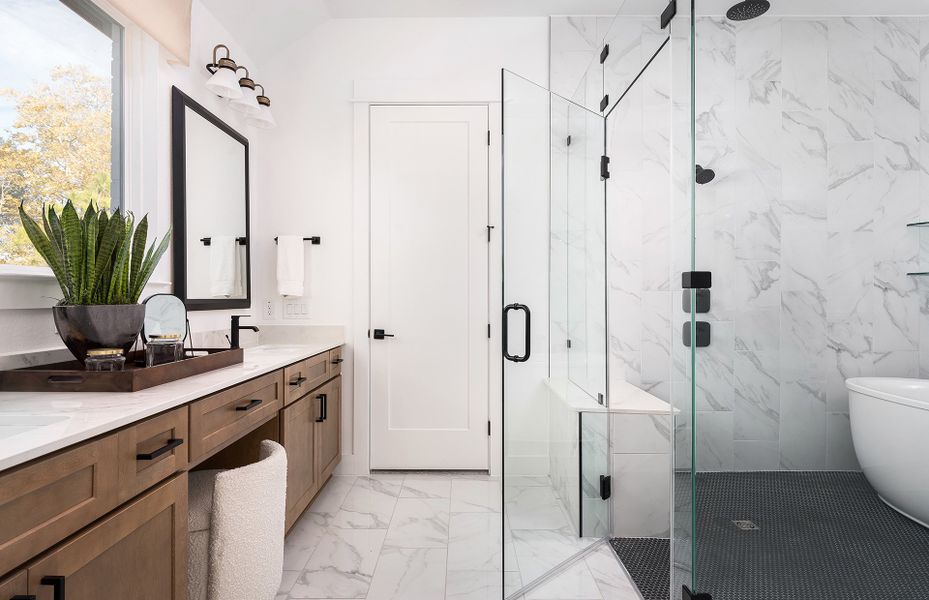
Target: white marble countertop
625	398
33	424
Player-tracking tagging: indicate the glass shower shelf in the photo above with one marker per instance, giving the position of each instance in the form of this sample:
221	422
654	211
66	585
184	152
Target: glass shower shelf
918	224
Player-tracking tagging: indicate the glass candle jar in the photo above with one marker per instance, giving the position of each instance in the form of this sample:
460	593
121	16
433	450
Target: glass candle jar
105	359
161	350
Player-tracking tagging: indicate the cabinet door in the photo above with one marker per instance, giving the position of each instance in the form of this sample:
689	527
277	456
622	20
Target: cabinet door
137	553
298	436
329	430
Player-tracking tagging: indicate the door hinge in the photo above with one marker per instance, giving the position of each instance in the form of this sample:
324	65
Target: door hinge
489	229
569	140
606	487
488	137
669	13
604	103
488	331
604	168
569	344
688	595
601	399
604	53
488	427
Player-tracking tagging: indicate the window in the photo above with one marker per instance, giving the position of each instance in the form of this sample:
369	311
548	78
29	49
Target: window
60	113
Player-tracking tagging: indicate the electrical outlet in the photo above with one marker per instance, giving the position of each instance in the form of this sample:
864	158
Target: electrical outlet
269	309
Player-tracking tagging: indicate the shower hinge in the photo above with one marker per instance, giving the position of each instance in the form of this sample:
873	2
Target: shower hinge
604	103
606	487
604	168
669	13
604	53
569	140
569	344
688	595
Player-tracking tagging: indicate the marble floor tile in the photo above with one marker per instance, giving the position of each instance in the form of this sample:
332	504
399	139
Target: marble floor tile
575	582
288	578
534	508
342	565
612	580
330	498
475	542
409	574
369	504
476	496
538	551
419	523
303	539
480	585
417	486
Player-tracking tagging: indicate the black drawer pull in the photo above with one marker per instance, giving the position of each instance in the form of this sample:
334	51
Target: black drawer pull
57	582
21	597
171	445
322	408
250	405
338	361
298	381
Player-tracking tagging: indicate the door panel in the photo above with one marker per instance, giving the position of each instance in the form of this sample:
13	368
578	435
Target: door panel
429	179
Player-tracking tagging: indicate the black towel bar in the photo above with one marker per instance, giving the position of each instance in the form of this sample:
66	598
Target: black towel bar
315	240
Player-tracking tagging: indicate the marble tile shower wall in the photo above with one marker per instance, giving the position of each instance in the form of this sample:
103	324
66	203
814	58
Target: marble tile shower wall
818	130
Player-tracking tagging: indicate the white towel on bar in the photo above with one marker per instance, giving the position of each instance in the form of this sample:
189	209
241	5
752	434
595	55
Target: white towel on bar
223	265
290	269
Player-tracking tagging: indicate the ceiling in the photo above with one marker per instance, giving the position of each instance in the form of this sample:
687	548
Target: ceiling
279	22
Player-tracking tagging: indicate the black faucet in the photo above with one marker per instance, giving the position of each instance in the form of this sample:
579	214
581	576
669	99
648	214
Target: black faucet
236	328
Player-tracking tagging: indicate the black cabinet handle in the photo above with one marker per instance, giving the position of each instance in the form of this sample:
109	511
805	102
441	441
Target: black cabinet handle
250	405
21	597
298	381
57	582
171	445
506	331
338	361
322	408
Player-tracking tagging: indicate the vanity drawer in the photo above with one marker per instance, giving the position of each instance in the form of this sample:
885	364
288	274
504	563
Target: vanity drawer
50	499
217	420
12	586
151	451
305	375
335	361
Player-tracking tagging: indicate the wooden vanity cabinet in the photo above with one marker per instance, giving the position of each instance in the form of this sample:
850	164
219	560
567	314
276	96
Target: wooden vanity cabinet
311	433
13	586
137	553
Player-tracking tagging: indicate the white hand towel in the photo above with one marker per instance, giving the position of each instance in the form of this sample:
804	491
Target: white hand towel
290	270
223	254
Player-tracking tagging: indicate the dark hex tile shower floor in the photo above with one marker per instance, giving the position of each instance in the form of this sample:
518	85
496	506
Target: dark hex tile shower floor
820	536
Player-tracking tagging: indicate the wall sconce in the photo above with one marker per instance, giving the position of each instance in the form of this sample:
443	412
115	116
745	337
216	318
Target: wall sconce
243	97
263	119
223	82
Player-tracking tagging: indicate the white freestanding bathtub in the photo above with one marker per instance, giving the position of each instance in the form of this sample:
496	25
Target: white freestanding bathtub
890	432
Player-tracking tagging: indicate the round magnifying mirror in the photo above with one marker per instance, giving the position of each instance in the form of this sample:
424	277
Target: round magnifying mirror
165	316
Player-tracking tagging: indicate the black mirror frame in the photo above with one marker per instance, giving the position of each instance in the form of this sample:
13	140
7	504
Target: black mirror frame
179	102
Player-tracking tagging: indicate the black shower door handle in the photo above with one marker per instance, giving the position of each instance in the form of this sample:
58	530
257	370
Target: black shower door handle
506	332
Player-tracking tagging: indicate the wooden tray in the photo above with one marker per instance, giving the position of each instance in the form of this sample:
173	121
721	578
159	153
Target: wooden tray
71	376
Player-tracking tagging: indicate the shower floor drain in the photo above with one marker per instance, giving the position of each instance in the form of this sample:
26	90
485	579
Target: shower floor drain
746	525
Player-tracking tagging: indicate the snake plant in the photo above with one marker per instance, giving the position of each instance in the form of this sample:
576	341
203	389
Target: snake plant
99	258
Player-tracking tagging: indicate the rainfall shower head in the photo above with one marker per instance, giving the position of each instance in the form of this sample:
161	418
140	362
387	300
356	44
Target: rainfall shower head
748	9
704	176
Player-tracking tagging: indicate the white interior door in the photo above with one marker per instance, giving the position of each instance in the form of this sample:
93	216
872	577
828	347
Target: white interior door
429	265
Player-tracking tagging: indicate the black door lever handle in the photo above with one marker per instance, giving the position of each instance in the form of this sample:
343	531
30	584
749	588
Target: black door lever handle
380	335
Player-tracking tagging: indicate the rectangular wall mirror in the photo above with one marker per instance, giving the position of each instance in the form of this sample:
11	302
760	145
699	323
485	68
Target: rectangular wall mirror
212	247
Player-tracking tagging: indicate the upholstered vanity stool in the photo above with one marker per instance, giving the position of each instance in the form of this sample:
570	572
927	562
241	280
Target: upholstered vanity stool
236	529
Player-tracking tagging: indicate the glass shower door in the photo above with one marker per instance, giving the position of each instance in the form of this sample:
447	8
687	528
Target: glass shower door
556	434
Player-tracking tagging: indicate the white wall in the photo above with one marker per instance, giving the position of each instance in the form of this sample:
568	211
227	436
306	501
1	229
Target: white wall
306	171
147	109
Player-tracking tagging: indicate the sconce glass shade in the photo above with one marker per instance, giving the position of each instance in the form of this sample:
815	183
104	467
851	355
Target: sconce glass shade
224	82
247	103
263	120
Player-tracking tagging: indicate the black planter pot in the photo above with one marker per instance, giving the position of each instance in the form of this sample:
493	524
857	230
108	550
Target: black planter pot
84	328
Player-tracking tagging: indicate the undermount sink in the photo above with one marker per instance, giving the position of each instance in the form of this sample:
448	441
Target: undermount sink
11	425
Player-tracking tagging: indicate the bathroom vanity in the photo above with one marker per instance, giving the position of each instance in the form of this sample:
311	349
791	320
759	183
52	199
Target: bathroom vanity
93	487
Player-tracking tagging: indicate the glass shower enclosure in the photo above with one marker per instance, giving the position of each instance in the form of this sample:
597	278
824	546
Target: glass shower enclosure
556	427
